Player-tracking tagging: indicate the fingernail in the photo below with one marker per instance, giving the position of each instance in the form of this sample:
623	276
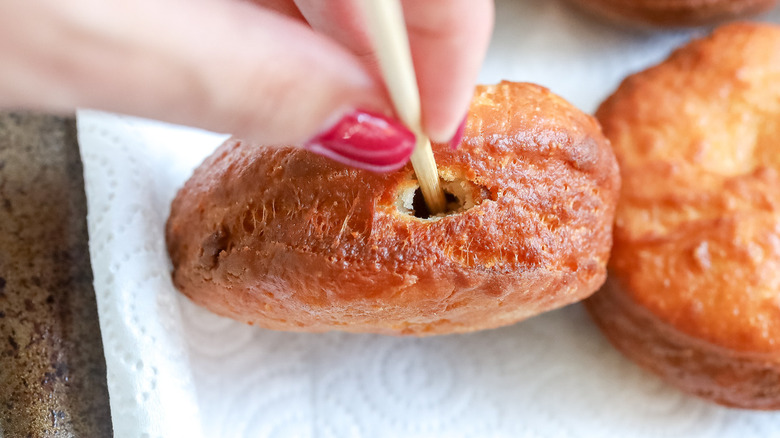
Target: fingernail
365	140
458	137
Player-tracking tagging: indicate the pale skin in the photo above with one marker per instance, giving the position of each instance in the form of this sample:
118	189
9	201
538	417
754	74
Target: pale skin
273	71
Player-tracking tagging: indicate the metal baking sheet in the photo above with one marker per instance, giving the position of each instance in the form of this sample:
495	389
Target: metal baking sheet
52	370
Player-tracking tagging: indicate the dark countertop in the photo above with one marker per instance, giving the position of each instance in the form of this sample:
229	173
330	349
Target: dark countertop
52	369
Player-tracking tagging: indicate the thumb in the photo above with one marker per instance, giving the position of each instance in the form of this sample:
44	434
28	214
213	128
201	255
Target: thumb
227	66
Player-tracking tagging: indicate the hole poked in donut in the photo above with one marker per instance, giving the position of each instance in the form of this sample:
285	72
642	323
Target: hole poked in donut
420	209
461	195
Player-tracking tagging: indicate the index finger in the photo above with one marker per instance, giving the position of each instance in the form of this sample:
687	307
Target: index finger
448	41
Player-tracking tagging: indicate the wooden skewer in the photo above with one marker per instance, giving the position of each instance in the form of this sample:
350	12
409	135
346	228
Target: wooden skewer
391	42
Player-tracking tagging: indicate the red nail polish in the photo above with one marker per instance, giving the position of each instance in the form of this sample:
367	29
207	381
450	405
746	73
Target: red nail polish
458	137
367	141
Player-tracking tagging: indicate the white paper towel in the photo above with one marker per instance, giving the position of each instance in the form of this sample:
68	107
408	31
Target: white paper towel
175	370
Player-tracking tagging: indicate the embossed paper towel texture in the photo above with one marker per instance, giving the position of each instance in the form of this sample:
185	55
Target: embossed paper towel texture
175	370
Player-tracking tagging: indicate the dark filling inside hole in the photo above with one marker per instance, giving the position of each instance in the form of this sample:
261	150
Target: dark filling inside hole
421	209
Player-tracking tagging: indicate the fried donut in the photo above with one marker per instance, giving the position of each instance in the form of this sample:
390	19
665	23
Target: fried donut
675	12
289	240
694	287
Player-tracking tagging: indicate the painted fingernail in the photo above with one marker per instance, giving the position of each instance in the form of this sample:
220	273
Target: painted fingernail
366	141
458	137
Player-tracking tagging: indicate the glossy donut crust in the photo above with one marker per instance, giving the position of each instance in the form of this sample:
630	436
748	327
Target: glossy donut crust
694	293
288	240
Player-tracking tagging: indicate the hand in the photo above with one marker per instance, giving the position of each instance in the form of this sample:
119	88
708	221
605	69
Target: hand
273	71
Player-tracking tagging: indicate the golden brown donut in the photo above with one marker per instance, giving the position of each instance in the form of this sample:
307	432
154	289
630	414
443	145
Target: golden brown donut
675	12
694	288
288	240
